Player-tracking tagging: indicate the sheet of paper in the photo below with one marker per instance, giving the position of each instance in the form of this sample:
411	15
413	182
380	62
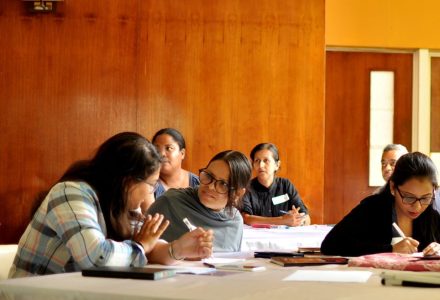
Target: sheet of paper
329	276
187	269
221	260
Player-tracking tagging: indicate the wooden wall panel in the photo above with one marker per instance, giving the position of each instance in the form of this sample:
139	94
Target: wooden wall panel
67	86
347	123
232	75
435	104
228	74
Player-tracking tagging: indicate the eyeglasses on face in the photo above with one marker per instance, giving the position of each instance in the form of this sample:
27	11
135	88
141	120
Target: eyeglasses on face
207	178
151	187
410	200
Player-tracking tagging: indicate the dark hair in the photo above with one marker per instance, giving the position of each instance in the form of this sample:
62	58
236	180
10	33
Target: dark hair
414	165
420	166
266	146
240	171
174	133
124	158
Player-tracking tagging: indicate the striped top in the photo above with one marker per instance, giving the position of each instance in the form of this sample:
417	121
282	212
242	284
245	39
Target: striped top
68	233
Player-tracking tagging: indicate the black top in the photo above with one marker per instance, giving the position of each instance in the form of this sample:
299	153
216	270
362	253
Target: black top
258	199
368	228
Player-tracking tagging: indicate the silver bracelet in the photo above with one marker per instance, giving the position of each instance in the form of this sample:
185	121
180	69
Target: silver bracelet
171	252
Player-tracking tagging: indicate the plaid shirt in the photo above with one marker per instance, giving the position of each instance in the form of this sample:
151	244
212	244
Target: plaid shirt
68	233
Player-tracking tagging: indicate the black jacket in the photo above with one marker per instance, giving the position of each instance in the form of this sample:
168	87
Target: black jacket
367	228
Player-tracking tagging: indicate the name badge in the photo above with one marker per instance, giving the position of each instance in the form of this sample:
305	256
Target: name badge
280	199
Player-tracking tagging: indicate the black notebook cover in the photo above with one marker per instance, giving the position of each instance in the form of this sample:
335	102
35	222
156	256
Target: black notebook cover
129	272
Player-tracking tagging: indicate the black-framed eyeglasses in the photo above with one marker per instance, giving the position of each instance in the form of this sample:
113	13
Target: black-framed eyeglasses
207	178
426	200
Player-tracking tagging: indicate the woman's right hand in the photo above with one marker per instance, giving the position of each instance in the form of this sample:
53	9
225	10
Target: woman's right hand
407	245
194	244
151	231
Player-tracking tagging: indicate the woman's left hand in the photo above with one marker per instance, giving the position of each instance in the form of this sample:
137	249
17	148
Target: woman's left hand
432	249
151	231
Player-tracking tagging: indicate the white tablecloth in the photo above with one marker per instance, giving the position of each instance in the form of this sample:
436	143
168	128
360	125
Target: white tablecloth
265	285
283	239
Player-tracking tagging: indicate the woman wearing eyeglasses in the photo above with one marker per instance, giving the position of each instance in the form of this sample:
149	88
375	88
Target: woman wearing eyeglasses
85	219
406	200
272	199
212	205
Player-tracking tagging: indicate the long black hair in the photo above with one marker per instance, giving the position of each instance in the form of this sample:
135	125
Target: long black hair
125	158
420	166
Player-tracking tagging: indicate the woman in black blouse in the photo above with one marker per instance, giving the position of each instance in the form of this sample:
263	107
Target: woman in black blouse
271	199
407	200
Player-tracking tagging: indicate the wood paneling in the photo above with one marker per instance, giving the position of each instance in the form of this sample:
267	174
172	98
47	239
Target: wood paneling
348	120
435	104
228	74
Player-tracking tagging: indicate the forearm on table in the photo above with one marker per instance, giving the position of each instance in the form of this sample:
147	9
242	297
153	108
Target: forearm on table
161	254
252	219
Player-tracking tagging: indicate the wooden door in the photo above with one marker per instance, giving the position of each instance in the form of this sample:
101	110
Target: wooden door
347	123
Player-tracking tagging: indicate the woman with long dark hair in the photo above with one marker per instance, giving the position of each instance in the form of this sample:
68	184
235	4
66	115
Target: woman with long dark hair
92	216
406	200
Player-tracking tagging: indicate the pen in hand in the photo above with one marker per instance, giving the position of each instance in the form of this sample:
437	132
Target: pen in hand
399	231
188	224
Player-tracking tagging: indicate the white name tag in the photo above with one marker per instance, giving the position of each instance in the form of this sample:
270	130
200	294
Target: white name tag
280	199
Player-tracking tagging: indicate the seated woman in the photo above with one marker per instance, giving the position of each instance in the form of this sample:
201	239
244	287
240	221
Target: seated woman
213	204
171	146
406	200
85	219
271	199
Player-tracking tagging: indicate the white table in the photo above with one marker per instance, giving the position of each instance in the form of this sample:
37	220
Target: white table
240	285
283	239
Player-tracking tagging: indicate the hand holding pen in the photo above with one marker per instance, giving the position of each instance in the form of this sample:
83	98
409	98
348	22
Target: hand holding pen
197	243
407	244
293	217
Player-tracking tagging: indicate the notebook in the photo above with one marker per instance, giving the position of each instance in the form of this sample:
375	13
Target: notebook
307	261
270	254
129	272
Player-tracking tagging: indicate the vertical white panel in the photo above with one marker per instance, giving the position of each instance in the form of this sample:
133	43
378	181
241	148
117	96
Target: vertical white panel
421	129
381	120
435	156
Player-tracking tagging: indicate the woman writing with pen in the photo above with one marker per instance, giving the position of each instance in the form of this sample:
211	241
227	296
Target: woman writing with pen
271	199
399	219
